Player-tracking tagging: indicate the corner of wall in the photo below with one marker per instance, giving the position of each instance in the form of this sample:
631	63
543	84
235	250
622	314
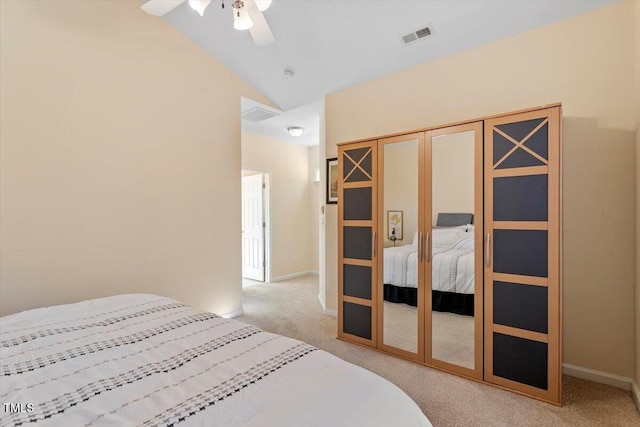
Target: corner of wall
322	236
635	393
233	314
634	390
596	376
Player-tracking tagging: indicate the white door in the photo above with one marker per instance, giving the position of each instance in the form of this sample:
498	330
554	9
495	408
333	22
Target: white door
253	227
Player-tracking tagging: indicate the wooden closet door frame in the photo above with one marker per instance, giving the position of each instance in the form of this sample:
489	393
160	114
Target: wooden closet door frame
478	182
553	338
362	223
554	111
419	355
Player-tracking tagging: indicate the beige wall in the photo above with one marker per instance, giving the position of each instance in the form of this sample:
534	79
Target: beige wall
401	188
452	173
637	290
120	158
289	200
324	232
314	206
592	73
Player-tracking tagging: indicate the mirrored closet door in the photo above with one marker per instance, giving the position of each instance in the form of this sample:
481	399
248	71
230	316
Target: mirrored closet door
454	248
400	284
430	251
449	248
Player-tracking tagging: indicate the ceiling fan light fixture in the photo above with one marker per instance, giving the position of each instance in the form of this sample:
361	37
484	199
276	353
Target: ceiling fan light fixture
199	5
241	18
263	4
295	131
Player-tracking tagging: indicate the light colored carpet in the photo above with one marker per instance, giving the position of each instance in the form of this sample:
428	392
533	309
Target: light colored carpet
400	323
452	334
452	338
291	308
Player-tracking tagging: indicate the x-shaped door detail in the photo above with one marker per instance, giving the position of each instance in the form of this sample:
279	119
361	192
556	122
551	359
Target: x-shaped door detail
358	165
520	144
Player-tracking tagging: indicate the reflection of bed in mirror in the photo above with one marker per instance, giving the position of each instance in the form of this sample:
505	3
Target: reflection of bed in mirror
452	267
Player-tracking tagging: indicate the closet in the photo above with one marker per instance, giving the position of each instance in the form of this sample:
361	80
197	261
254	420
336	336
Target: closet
449	248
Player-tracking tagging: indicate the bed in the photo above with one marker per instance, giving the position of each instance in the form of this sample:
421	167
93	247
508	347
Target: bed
141	359
453	261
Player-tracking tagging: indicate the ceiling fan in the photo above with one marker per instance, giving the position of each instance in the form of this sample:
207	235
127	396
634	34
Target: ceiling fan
247	15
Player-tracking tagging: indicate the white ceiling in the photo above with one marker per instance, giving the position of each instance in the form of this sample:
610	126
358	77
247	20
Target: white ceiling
334	44
307	116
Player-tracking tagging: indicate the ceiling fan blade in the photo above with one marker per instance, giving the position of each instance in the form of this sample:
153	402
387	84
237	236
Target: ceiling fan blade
260	31
160	7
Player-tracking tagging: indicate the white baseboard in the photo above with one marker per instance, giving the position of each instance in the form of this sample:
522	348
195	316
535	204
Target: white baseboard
635	392
333	313
597	376
321	303
233	314
292	276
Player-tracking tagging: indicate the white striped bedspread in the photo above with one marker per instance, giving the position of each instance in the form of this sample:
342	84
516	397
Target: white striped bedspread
146	360
452	267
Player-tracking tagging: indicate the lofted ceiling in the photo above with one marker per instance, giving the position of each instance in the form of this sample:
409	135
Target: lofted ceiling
334	44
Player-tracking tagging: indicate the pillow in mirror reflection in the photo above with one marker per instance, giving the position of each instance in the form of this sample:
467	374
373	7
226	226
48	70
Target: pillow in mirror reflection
446	237
465	244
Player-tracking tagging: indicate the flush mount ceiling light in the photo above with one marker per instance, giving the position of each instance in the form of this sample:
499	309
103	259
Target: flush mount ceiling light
295	131
247	14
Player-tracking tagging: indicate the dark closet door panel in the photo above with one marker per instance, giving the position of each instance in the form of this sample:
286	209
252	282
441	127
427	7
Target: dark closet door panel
520	159
348	166
357	172
521	360
356	155
357	176
367	163
357	203
521	198
357	281
519	130
520	306
538	143
357	242
522	252
356	320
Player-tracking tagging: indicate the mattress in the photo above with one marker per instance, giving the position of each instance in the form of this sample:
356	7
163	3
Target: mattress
452	266
142	359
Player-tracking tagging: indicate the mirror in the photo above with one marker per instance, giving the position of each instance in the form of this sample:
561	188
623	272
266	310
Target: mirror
453	246
400	252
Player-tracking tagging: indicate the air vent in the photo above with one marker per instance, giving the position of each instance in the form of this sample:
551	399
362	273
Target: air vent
411	37
258	114
414	36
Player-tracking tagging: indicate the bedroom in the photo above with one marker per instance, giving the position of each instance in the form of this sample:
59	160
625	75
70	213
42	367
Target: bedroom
104	194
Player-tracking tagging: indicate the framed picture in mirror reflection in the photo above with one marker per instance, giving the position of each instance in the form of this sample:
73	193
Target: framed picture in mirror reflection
394	226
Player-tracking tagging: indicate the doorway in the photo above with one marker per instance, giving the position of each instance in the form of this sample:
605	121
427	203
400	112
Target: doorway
255	227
